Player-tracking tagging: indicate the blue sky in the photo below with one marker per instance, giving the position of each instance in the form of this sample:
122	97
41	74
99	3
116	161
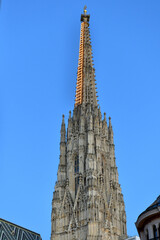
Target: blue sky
39	45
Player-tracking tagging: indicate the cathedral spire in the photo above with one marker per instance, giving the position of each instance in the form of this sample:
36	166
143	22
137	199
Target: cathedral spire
85	89
87	200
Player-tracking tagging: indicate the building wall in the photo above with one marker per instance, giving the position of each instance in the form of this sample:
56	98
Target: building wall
148	222
151	230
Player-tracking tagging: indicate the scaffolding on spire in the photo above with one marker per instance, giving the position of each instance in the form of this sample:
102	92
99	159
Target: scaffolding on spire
85	89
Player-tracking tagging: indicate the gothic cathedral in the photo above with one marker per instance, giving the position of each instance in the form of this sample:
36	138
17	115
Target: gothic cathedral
87	202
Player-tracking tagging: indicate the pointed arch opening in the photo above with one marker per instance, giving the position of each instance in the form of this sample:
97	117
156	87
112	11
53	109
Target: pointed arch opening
76	164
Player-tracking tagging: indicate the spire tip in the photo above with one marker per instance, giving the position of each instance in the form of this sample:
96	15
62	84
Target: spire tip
85	9
85	17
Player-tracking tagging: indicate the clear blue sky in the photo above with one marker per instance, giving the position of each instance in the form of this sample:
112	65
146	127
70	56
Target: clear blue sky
39	45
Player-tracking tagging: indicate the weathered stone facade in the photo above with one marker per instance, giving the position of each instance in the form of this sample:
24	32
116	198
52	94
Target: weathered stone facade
87	201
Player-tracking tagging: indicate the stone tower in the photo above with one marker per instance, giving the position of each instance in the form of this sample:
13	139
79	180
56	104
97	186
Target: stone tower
87	201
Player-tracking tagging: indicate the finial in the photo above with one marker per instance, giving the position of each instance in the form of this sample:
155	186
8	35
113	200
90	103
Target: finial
104	116
69	114
110	125
85	17
85	9
63	118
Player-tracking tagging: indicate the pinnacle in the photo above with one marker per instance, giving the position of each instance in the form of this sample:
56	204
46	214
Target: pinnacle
63	118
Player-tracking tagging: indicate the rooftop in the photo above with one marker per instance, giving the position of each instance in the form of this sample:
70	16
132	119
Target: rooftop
14	231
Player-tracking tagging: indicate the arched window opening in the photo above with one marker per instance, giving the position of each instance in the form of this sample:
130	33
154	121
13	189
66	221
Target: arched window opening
103	164
147	235
78	215
104	215
155	232
84	165
84	181
76	184
159	231
76	164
